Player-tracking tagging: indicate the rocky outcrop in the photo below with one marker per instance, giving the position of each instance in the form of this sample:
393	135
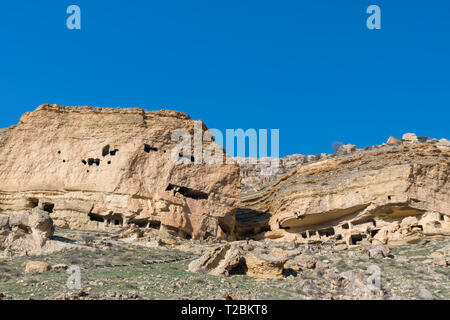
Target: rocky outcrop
393	193
25	232
221	260
257	174
265	264
104	168
238	258
37	267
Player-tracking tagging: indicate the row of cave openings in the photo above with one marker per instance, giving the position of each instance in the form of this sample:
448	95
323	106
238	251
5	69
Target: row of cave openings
330	232
34	203
148	149
116	219
106	150
355	238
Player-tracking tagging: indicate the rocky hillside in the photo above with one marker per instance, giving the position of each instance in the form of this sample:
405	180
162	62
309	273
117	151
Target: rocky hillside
255	175
106	168
397	192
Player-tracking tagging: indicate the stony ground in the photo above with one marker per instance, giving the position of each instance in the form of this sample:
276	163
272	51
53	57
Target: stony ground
113	269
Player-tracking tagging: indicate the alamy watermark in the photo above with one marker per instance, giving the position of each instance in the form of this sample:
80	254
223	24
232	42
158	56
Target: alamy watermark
374	20
74	280
205	147
74	20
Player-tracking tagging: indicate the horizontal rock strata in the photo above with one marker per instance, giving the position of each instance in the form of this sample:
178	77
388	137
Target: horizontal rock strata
395	193
103	168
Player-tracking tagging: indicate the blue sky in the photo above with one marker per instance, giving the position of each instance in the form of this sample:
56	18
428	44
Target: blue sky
309	68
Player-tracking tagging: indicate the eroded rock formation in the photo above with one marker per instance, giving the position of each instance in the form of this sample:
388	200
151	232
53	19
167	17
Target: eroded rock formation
392	193
103	168
25	232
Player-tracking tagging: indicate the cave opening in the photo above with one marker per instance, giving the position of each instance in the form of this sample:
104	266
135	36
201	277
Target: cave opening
117	219
148	148
355	238
48	207
141	223
96	217
105	150
32	203
154	224
188	192
326	232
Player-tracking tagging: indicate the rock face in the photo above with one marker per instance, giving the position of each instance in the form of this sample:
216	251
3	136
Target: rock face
257	174
25	232
103	168
391	193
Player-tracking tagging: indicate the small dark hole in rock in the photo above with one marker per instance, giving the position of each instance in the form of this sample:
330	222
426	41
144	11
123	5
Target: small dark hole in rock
48	207
148	148
105	150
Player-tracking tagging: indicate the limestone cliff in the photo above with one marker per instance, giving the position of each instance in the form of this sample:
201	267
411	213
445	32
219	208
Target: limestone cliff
103	168
396	192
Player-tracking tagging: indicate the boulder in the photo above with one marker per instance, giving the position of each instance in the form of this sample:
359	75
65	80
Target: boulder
439	259
220	261
394	141
425	294
37	267
410	137
265	264
25	232
302	261
346	148
444	142
378	251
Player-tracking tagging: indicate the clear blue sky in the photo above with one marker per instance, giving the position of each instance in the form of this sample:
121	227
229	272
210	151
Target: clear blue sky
310	68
